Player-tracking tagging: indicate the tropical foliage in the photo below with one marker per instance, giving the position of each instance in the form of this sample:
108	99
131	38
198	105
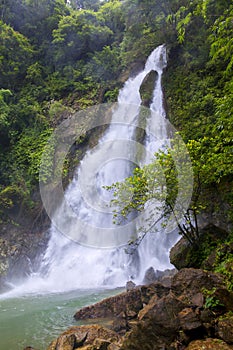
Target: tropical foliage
197	85
59	56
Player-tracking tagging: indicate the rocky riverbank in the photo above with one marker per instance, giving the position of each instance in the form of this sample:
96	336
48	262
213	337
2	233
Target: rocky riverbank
193	311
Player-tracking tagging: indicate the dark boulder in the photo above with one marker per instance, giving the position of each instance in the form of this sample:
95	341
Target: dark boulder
83	337
152	275
120	323
158	325
130	285
188	282
183	316
126	302
147	88
148	291
189	320
208	344
225	329
179	254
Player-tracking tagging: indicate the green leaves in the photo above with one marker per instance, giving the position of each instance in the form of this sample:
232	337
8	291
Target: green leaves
104	65
212	157
79	34
221	40
198	87
54	56
4	109
166	187
16	55
182	24
28	151
211	301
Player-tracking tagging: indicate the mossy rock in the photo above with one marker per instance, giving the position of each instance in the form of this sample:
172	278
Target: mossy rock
208	344
202	253
147	88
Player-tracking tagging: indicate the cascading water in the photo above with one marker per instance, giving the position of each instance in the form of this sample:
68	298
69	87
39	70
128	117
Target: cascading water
153	251
67	265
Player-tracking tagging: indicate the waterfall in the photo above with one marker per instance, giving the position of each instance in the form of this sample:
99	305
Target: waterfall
68	265
154	250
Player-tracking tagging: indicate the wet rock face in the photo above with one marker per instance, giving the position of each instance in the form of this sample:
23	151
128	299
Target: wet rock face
20	249
147	88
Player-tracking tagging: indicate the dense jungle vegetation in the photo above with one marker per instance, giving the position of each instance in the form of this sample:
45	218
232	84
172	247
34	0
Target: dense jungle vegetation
57	57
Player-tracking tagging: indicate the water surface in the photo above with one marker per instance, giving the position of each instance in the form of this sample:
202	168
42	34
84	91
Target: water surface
37	320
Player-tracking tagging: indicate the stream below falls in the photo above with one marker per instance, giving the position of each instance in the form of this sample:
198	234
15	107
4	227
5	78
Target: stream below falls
36	320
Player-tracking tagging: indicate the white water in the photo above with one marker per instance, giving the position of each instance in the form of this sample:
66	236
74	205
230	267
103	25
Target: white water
68	265
154	249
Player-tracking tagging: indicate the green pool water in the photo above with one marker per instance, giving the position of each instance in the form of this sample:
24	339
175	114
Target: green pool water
37	320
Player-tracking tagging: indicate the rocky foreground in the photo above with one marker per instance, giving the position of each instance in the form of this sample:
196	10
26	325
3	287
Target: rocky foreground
191	310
